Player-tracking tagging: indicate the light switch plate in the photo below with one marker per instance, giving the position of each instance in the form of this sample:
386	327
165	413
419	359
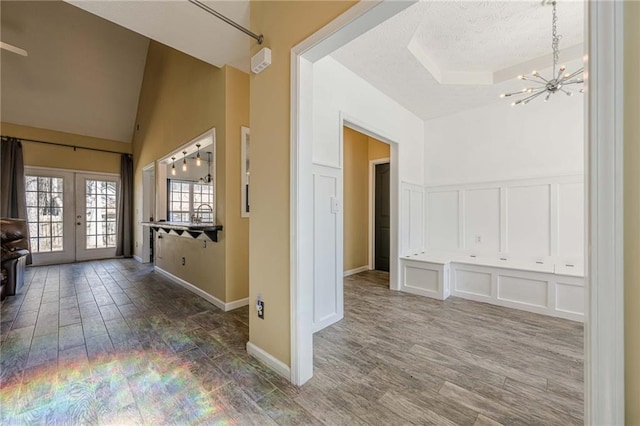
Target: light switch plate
335	205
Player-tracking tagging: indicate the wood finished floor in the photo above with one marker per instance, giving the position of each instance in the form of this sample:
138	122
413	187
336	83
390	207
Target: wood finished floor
111	342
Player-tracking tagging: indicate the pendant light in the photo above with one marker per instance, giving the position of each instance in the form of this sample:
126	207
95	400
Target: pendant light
184	161
198	160
173	166
208	178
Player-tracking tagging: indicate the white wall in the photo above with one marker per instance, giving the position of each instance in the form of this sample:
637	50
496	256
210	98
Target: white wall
500	142
507	181
338	90
340	94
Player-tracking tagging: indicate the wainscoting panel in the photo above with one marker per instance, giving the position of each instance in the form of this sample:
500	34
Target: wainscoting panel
527	291
529	220
412	215
570	295
425	279
327	300
482	220
571	220
443	220
473	282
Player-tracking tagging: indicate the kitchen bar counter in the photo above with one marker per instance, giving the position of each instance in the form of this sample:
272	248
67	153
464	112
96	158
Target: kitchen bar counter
191	229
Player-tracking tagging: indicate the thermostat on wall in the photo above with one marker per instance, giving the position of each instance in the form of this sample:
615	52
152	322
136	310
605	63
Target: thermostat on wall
261	60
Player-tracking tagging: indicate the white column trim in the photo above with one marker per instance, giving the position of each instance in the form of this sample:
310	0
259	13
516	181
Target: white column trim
604	326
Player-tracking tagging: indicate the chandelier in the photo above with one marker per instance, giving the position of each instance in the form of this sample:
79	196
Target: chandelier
557	82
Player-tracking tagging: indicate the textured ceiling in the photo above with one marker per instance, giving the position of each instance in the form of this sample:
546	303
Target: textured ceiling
184	26
83	74
475	47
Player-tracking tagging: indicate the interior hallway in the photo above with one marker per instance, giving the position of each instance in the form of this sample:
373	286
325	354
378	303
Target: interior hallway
111	342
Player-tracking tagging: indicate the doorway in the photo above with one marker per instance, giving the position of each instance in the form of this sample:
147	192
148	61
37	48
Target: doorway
148	211
381	216
367	203
72	215
604	398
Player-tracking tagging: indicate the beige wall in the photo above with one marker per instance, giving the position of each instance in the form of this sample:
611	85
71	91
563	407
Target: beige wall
356	199
181	98
41	155
378	150
359	149
237	253
284	24
632	211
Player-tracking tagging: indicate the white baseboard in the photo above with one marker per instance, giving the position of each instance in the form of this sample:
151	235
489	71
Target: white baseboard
138	258
356	270
236	304
212	299
269	360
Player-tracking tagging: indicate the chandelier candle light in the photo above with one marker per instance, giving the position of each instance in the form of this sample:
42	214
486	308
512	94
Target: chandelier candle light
558	80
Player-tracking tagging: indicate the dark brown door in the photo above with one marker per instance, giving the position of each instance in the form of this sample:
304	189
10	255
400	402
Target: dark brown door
382	217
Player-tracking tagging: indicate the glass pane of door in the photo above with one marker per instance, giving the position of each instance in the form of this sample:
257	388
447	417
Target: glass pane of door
45	212
97	201
49	202
100	214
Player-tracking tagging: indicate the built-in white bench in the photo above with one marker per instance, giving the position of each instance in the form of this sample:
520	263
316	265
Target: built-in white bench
544	288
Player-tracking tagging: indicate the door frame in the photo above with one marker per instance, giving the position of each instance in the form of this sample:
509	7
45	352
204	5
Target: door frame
372	204
83	254
72	174
604	326
148	210
69	213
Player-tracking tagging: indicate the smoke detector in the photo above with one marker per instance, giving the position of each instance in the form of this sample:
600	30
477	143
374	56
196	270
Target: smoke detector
261	60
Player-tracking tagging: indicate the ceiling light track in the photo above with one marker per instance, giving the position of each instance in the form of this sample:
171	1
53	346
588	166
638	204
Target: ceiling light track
259	37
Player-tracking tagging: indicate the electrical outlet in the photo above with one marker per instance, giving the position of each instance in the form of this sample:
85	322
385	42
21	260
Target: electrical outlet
478	239
260	308
184	261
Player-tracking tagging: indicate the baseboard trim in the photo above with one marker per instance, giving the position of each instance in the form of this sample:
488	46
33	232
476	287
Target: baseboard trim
211	299
236	304
356	270
138	258
269	360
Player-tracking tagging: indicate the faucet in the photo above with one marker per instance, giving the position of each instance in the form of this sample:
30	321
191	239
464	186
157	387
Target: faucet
196	218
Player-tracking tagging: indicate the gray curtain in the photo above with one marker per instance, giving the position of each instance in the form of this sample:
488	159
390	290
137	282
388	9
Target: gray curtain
124	242
13	203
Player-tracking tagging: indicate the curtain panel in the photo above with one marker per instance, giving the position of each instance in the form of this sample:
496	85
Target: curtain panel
124	240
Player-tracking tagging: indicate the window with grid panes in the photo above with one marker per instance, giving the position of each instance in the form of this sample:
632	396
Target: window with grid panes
185	197
45	196
179	201
203	197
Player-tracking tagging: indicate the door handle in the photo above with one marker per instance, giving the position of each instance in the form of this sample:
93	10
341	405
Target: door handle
78	223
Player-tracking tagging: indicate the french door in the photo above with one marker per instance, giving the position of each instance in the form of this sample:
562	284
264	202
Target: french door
72	216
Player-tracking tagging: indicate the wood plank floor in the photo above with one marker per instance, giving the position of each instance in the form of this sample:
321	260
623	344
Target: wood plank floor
402	357
111	342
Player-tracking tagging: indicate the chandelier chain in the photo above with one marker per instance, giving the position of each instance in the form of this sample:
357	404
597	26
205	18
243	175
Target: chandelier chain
555	38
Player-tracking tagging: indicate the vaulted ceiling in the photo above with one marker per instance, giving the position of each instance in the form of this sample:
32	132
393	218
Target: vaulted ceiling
86	59
440	57
83	74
